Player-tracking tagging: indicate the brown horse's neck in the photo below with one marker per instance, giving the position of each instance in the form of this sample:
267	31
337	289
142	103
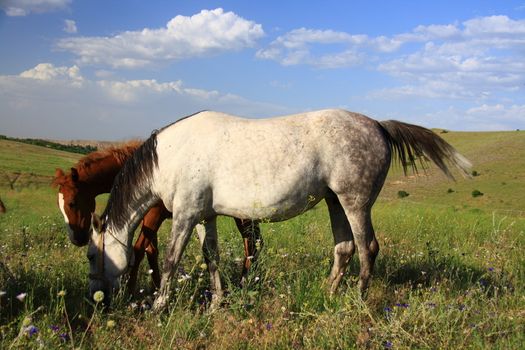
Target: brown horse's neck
99	176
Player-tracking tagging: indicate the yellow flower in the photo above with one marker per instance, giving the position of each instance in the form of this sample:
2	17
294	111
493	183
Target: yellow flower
98	296
62	293
111	324
27	321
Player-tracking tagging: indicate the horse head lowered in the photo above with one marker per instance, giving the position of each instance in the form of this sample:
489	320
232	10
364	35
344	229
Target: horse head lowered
76	202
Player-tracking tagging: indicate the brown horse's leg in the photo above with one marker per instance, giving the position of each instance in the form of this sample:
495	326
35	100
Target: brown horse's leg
138	250
251	234
147	243
152	221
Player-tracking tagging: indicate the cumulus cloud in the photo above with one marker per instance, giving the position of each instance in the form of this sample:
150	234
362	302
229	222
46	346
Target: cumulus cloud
437	47
47	71
25	7
479	60
59	102
208	32
70	26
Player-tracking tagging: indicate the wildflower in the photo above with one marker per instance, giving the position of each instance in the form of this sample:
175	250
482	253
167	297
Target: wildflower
203	266
31	330
268	326
64	337
483	282
257	278
184	277
198	258
54	328
207	294
387	344
21	296
491	269
150	271
98	296
62	293
403	305
111	324
27	321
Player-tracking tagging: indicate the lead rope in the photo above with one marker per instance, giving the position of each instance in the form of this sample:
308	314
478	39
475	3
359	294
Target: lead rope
100	249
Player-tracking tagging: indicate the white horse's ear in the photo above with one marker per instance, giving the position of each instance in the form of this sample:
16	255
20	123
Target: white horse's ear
96	223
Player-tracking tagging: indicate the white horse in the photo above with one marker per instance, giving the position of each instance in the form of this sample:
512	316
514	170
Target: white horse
211	164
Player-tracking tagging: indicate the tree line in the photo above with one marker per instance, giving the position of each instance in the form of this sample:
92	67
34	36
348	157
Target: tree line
53	145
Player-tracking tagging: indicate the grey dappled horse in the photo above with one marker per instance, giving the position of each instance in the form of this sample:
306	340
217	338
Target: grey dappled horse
211	164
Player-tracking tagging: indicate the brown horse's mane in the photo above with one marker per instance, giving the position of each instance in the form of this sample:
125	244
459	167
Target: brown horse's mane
120	153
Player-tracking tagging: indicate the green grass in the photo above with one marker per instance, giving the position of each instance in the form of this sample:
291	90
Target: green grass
450	273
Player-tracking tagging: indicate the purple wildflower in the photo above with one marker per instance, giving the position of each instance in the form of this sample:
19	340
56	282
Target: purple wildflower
54	328
31	330
491	269
403	305
387	309
387	344
268	326
483	282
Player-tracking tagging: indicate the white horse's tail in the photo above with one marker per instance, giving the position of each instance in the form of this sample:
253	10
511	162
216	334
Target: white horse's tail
410	142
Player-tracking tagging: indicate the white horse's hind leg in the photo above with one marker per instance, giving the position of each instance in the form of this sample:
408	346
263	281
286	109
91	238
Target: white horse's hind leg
181	232
211	255
359	217
367	245
343	240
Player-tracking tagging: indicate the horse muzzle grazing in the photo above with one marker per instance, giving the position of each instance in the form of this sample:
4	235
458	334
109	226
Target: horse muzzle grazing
77	236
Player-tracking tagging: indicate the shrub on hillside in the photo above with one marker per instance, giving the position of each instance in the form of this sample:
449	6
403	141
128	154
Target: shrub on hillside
402	194
477	193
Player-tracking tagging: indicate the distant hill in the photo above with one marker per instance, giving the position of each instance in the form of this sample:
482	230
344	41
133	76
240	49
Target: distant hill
498	164
62	146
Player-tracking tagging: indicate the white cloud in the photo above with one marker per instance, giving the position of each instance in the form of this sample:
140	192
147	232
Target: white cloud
47	71
437	47
70	26
25	7
208	32
59	102
295	48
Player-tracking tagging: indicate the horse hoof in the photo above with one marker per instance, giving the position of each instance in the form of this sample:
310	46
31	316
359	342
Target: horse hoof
160	304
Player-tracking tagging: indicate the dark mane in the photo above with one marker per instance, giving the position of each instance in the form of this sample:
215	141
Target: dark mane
131	182
181	119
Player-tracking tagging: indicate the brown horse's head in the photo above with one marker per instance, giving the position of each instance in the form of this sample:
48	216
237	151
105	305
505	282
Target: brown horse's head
76	202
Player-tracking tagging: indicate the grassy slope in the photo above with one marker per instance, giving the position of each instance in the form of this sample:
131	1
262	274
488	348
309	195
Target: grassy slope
450	273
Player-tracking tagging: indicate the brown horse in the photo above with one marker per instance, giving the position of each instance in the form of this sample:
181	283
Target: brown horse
94	175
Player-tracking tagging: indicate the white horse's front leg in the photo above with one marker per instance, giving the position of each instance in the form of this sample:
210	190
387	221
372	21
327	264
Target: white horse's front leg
210	251
181	232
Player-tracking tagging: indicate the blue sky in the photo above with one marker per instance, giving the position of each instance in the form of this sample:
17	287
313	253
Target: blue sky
104	70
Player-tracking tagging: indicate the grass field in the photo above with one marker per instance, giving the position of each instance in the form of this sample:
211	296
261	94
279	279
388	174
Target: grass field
450	273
